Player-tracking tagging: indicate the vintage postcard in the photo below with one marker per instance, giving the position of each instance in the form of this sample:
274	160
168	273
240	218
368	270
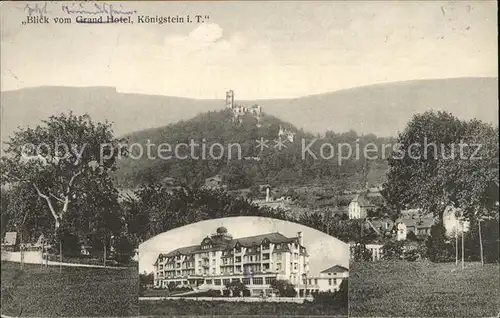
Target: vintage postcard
249	158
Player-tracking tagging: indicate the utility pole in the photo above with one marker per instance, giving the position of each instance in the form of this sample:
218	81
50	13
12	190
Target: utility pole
463	264
60	255
104	253
480	242
21	248
41	261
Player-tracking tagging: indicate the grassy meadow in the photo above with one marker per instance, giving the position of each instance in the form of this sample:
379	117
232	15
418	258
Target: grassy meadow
182	307
76	291
423	289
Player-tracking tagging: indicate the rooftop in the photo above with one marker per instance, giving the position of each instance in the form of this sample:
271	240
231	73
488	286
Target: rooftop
249	241
335	269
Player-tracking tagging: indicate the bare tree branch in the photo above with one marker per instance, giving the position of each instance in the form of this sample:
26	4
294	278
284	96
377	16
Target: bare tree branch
56	197
40	194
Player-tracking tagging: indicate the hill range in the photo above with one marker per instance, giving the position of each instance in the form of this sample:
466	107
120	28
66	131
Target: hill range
382	109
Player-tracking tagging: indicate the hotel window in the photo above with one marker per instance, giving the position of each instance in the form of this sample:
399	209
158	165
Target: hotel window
246	281
213	270
257	280
213	253
278	246
334	281
209	282
278	266
270	279
217	282
315	281
330	281
310	281
234	280
225	281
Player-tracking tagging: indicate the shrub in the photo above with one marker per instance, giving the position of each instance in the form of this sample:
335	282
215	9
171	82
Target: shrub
393	250
226	293
324	298
284	288
438	249
236	293
70	243
124	250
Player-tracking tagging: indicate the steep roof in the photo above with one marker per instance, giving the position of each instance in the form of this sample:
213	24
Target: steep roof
362	201
183	250
248	241
418	223
275	237
335	269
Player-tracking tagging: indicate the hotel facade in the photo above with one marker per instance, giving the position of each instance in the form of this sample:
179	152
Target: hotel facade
255	261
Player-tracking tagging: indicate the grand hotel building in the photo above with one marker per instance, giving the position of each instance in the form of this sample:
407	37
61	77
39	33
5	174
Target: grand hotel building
255	261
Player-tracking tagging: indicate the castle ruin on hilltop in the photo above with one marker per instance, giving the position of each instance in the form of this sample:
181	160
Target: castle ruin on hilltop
256	111
239	109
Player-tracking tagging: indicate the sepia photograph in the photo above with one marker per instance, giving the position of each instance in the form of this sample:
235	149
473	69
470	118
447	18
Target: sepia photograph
249	265
249	158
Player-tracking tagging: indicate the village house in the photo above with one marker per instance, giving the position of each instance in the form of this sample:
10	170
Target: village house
328	280
380	226
453	223
359	207
413	221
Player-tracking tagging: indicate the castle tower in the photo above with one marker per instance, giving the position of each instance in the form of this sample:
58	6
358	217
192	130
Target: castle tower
230	99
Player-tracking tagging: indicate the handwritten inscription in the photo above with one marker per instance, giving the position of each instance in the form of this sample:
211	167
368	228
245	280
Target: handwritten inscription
98	13
36	9
96	8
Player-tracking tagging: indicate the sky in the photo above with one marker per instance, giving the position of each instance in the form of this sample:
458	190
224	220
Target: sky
260	49
324	251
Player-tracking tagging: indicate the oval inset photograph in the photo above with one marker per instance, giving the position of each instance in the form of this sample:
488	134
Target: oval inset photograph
248	265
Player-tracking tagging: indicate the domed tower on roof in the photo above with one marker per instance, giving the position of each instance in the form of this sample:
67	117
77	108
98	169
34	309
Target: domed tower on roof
221	234
221	230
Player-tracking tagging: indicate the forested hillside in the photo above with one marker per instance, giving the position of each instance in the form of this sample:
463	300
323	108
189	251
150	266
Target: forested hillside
290	165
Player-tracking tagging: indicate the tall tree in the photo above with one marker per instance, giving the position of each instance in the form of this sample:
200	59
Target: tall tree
64	160
443	161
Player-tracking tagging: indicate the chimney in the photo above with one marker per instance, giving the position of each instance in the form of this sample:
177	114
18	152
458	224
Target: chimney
301	238
268	192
